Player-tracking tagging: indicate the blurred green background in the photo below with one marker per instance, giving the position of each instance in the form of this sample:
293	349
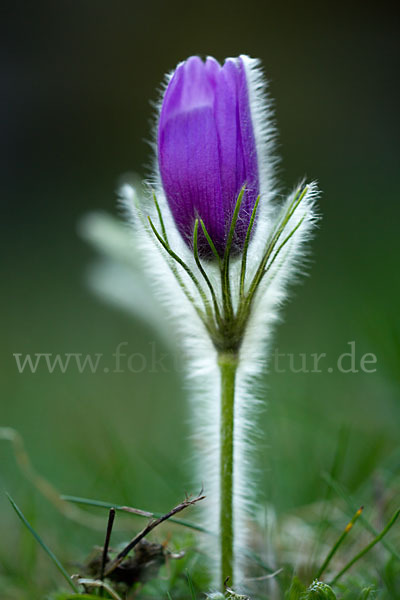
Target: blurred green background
77	78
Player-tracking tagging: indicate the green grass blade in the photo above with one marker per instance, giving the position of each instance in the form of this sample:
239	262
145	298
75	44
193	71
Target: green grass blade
125	509
75	597
191	586
43	545
338	543
340	491
367	548
366	593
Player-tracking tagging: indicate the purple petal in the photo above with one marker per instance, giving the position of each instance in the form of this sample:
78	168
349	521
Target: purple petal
206	149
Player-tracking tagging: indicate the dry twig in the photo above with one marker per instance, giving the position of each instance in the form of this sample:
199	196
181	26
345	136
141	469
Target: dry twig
149	527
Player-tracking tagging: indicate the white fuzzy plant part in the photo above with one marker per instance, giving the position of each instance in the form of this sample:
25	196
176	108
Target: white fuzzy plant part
224	310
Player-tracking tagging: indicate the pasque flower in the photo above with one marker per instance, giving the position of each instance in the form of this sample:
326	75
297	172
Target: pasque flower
207	150
220	252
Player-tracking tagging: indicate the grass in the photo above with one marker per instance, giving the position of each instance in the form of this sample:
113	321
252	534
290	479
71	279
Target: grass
358	563
300	533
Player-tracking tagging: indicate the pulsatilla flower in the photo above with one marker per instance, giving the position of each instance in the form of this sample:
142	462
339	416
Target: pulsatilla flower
207	150
220	251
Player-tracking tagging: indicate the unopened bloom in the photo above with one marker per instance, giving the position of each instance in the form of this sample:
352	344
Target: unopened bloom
207	150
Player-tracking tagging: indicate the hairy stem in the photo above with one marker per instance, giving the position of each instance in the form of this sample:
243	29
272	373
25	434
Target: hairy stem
228	363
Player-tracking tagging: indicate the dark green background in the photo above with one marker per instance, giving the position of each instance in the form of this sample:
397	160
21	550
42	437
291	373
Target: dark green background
77	78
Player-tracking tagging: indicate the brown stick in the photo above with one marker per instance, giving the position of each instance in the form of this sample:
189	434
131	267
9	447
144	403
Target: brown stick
149	527
111	517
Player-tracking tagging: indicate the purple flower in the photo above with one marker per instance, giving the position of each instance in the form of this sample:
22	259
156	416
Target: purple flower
207	150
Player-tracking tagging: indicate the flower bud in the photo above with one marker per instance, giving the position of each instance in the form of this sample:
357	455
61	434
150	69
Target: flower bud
207	150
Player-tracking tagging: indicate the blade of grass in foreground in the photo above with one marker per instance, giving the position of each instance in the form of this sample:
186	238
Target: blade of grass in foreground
43	545
338	543
340	491
129	510
367	548
191	586
75	597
